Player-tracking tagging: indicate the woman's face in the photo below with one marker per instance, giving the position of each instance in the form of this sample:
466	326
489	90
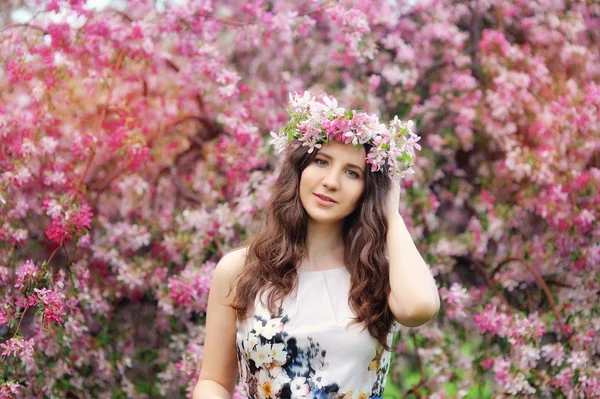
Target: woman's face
338	171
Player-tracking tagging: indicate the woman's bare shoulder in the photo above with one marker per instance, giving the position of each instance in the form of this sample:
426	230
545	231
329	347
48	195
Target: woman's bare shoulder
231	265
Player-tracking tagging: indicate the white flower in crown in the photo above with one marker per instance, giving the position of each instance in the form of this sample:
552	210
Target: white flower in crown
279	142
329	108
301	102
313	123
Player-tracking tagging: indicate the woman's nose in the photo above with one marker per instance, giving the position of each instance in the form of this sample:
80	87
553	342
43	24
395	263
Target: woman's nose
332	180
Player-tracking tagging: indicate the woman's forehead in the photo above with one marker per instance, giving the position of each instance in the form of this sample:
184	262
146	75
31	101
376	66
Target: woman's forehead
343	151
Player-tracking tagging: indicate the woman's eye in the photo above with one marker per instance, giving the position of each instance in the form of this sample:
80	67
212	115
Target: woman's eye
353	174
321	162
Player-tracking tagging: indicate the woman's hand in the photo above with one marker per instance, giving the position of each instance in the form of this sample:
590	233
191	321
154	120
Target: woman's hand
393	201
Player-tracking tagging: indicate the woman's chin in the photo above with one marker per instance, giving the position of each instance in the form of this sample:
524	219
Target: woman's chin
318	217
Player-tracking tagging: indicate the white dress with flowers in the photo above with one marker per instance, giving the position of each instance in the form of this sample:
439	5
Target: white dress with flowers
308	350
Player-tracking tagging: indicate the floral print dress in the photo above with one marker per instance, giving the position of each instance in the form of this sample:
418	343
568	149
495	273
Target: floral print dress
308	350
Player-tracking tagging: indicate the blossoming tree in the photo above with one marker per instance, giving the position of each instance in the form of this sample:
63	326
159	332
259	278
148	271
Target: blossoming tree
133	156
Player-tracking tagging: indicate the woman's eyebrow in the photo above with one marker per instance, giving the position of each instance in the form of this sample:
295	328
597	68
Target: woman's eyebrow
329	157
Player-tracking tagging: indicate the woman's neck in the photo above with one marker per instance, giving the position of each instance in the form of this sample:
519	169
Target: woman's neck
324	246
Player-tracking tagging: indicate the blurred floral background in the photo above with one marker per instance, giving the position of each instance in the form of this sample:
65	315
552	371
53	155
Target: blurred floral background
133	155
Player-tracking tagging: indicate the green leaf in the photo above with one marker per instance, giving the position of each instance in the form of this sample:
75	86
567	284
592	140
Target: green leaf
476	391
391	390
450	388
119	395
405	159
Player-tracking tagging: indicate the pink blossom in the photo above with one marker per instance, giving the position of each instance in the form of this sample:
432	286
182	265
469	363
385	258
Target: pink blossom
172	142
60	34
4	317
18	347
53	5
26	302
374	81
487	363
456	299
26	274
553	353
53	304
9	389
190	291
516	329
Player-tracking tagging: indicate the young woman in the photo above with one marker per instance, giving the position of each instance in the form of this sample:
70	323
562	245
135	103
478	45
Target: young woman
309	308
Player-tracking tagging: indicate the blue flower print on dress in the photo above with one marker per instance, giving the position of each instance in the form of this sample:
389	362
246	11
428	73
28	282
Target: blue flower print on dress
273	365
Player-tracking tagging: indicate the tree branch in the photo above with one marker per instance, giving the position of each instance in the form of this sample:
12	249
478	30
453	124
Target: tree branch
415	389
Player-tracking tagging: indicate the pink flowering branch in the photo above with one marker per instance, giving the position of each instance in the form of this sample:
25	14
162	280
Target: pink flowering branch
109	178
19	324
78	185
457	109
185	193
490	283
476	24
197	144
27	307
540	280
103	114
219	247
228	21
204	121
54	252
562	284
176	68
117	12
25	25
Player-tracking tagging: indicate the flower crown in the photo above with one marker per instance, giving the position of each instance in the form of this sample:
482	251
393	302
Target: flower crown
313	123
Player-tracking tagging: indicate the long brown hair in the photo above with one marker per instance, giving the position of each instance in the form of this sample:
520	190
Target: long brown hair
279	246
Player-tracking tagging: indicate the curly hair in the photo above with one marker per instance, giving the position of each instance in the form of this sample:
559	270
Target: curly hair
280	245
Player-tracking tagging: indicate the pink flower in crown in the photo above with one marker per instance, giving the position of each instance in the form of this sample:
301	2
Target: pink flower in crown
313	123
279	142
336	129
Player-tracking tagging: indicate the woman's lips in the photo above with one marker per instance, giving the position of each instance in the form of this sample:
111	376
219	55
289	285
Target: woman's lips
323	201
